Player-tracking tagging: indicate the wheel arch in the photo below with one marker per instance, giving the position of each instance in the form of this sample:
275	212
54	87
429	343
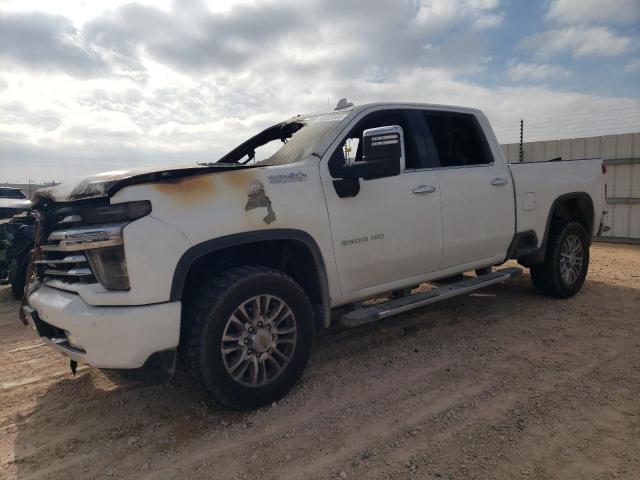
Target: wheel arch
292	251
577	206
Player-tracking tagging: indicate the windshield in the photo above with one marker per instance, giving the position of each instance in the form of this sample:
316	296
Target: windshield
284	143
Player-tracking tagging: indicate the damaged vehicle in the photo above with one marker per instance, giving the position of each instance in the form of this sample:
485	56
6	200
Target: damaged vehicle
16	238
232	267
16	243
12	202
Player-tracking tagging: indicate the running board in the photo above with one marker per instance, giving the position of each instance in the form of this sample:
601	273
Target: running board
377	312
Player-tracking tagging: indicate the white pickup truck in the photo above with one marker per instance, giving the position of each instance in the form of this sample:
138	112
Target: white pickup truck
231	267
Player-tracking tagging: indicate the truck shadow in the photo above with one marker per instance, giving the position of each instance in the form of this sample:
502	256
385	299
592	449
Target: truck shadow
89	427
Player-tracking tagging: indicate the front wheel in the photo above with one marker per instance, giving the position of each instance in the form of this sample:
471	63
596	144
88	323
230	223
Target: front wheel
247	336
18	274
564	270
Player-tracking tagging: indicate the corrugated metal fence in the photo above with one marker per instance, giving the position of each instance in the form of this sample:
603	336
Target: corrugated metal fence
622	157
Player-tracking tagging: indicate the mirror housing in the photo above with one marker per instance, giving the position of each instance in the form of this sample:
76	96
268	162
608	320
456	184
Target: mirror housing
382	154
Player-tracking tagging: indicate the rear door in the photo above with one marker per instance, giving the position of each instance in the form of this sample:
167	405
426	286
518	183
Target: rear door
477	193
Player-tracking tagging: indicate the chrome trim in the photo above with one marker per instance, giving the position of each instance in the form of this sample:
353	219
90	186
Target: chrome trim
73	272
63	347
62	285
455	167
423	189
68	259
499	181
79	247
84	238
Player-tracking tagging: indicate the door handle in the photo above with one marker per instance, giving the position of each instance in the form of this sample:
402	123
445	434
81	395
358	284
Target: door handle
498	182
421	189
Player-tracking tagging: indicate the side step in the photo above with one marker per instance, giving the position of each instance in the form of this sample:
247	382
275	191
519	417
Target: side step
401	305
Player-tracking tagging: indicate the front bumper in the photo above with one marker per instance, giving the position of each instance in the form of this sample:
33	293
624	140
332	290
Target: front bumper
105	337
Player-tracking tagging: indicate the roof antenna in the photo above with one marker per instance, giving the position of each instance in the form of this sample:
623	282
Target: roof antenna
343	104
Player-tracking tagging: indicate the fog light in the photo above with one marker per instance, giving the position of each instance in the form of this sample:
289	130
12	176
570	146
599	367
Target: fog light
73	341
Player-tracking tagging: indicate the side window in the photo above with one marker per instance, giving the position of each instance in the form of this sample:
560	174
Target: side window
458	139
350	149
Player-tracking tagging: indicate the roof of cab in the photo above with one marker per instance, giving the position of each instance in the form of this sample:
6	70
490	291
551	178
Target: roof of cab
373	105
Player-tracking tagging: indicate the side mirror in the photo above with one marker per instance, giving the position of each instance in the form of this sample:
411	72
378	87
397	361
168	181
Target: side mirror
382	154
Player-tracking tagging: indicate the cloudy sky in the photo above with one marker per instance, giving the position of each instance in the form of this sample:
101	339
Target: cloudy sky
89	86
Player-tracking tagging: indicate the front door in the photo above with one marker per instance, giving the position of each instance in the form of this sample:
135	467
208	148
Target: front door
392	229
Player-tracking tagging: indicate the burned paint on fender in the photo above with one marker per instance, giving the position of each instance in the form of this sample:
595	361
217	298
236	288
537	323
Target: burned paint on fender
211	188
258	199
186	189
204	188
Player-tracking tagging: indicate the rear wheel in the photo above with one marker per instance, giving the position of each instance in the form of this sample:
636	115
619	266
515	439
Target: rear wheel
247	336
564	270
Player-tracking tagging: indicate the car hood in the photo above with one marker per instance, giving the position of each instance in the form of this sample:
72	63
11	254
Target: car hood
107	183
12	206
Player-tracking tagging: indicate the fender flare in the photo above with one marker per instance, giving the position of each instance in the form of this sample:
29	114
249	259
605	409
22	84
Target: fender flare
539	256
209	246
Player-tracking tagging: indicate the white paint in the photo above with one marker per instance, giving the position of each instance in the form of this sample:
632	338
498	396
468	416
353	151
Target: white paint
113	337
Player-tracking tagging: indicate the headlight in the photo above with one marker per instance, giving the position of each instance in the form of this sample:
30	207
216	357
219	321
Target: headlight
110	267
100	238
103	246
92	215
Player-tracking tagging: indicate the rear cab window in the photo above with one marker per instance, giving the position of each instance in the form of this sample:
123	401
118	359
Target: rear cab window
457	139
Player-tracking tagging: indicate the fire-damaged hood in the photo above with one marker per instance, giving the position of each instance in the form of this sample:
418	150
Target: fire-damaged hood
300	136
108	183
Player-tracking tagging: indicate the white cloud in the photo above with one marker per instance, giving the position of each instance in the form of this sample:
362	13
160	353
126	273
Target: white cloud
632	66
589	11
94	140
579	41
438	14
14	112
490	20
532	72
186	81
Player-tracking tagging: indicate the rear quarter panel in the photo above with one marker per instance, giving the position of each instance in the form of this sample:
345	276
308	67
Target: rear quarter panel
539	184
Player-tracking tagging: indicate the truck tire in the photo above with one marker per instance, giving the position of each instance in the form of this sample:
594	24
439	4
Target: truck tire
566	263
247	336
18	275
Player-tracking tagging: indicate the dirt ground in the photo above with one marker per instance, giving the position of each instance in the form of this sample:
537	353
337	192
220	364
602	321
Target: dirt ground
502	383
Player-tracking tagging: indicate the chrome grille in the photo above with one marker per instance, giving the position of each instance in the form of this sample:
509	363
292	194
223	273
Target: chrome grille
66	234
63	266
